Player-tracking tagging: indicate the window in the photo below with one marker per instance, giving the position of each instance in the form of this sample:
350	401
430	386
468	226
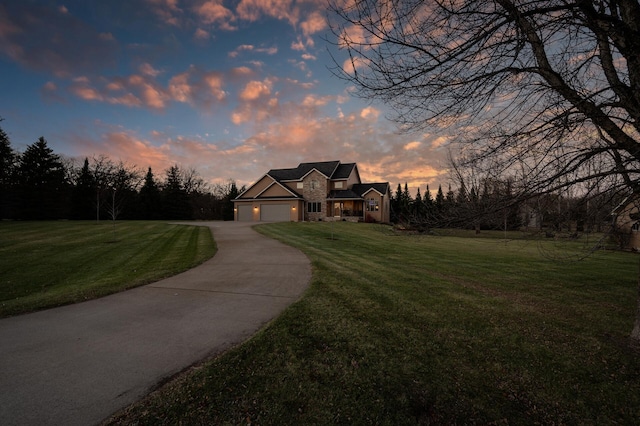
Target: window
372	205
314	207
300	185
338	185
315	184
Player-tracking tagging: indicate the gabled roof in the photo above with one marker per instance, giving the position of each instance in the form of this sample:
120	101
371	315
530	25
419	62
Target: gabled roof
343	171
293	193
362	188
327	168
344	194
358	191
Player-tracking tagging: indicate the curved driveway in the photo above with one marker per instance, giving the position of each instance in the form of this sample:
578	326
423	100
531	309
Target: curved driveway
78	364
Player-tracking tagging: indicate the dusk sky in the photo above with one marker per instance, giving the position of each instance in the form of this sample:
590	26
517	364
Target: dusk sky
230	88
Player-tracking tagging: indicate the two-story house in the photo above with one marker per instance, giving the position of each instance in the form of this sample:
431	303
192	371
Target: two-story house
327	190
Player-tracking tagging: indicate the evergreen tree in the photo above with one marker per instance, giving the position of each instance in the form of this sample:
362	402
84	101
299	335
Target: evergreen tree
8	159
175	199
405	202
43	189
440	200
150	198
227	212
83	194
428	201
396	205
418	205
450	197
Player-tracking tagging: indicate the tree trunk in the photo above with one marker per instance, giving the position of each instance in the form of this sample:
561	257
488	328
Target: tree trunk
635	334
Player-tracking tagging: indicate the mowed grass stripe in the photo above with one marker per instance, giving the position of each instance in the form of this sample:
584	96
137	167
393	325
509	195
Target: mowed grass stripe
398	330
46	264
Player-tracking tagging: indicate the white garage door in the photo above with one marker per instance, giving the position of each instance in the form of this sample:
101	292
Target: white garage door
275	213
245	213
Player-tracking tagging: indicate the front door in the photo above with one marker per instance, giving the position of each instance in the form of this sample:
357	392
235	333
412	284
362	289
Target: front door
337	209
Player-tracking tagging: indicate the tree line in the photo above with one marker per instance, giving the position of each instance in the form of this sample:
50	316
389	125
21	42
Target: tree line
39	184
492	204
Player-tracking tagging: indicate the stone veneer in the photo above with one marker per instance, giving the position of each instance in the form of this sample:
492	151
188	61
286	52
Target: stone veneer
318	194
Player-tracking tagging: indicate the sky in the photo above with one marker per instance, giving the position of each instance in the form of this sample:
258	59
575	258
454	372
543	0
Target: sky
231	89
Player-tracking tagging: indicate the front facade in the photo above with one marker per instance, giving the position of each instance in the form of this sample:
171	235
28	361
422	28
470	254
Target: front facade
327	190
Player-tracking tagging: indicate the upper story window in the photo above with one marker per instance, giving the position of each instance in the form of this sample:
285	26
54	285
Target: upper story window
299	185
338	185
315	184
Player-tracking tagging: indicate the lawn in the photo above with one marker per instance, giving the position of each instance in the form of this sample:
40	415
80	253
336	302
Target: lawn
406	329
46	264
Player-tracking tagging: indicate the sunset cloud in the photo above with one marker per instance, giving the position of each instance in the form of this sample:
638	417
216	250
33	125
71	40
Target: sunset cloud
256	89
252	10
229	88
314	23
213	12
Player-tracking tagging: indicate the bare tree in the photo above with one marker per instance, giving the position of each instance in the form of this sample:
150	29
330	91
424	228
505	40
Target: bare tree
102	168
547	92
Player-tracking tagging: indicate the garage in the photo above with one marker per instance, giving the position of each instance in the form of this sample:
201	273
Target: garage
275	212
245	213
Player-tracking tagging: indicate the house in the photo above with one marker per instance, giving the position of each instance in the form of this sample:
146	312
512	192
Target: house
326	191
626	222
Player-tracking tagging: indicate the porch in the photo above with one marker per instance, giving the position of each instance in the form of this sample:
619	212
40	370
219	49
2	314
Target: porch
347	210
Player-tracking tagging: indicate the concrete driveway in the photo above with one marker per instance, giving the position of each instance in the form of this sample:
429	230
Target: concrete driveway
78	364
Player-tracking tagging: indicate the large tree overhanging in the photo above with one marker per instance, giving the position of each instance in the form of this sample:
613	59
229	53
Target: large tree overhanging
551	86
546	92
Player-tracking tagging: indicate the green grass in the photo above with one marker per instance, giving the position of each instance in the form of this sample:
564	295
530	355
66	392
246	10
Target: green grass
46	264
426	329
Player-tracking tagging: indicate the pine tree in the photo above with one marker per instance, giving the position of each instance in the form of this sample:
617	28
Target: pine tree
396	205
450	197
227	211
440	200
418	205
8	160
150	198
174	196
83	193
43	188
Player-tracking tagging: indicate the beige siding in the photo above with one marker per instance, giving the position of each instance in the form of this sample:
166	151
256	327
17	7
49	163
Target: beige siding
382	212
258	187
293	186
625	222
353	178
276	191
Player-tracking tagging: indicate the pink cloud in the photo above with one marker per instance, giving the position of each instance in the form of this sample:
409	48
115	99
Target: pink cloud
252	10
314	23
214	12
256	89
147	69
305	135
201	34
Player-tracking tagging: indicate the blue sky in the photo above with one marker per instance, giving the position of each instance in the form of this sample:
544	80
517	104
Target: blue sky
230	88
